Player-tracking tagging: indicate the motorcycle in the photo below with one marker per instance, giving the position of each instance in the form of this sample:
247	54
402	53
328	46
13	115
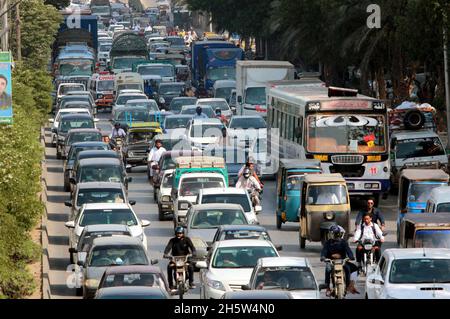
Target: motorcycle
118	143
181	270
338	277
255	198
368	260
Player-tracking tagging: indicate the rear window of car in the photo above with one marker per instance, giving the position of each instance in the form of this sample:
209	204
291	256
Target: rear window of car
240	199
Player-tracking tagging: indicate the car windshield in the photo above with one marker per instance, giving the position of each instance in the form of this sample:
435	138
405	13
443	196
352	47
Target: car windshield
176	122
133	116
206	130
231	156
207	110
223	105
86	239
443	208
66	99
158	117
256	95
167	181
131	86
433	238
177	104
226	73
125	62
176	41
122	255
223	93
101	9
191	186
240	199
134	137
149	104
64	89
123	99
105	47
76	67
241	257
327	195
420	192
106	85
363	133
67	125
285	278
104	173
294	182
420	271
86	196
133	279
175	143
243	234
246	123
84	137
108	216
171	89
75	150
213	218
419	147
166	71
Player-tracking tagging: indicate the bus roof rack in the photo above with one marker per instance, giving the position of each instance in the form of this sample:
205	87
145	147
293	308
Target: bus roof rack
337	91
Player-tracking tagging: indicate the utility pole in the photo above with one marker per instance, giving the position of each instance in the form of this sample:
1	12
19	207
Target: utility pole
18	34
5	26
447	87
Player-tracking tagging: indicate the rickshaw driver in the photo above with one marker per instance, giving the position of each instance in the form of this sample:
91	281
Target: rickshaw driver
337	248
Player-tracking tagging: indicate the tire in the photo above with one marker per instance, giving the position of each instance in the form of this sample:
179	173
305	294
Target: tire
160	214
279	222
340	291
66	185
414	120
302	243
181	290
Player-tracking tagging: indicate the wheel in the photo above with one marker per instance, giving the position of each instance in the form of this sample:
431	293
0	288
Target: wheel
279	222
66	185
340	291
181	290
302	242
160	214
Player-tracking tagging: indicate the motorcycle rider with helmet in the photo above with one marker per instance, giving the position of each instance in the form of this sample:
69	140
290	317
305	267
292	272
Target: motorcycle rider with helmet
249	183
337	248
117	132
179	246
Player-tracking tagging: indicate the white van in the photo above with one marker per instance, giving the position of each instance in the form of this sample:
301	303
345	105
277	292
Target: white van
439	201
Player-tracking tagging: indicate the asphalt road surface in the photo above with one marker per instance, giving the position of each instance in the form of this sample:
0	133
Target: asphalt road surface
159	232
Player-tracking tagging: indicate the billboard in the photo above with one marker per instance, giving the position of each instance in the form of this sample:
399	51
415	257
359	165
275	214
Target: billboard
6	112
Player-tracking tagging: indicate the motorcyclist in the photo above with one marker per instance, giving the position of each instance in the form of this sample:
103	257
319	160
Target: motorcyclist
179	246
116	132
337	248
249	183
253	170
368	231
199	113
155	154
220	116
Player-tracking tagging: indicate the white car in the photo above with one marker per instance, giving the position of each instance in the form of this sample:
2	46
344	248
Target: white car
229	195
413	273
231	265
189	186
244	130
106	213
163	195
201	133
61	112
293	274
124	97
217	103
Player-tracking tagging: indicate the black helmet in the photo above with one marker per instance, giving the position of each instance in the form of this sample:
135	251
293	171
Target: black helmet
158	141
198	110
179	230
246	173
117	124
336	232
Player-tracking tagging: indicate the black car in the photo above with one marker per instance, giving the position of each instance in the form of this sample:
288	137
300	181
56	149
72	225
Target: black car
81	135
167	91
67	123
76	148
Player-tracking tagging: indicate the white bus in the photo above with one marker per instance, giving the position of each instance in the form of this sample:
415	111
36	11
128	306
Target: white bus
347	132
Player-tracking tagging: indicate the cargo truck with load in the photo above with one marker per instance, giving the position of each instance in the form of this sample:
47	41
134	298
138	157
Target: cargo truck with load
102	9
251	79
127	49
212	61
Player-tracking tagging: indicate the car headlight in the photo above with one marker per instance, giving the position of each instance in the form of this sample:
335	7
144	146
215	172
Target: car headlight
161	100
215	284
92	283
328	215
166	198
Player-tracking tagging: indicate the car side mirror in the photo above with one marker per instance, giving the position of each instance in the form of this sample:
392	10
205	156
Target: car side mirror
245	287
54	130
82	258
279	247
201	264
145	223
132	202
154	261
129	179
68	203
72	180
323	286
70	224
51	120
208	248
239	99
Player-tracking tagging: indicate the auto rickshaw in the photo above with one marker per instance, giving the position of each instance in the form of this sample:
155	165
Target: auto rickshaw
289	185
425	230
414	188
325	202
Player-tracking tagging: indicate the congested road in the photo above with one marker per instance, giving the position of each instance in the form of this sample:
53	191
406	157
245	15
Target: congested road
159	232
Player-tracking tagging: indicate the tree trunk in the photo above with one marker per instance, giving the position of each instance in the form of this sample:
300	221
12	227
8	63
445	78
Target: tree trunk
18	34
381	83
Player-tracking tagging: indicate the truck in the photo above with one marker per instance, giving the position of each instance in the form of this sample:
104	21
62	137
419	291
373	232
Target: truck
102	9
251	79
74	50
126	49
212	61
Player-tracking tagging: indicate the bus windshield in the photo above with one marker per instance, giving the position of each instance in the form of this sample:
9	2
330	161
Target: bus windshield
346	134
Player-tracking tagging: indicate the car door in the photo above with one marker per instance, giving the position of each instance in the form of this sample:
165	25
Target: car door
374	288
